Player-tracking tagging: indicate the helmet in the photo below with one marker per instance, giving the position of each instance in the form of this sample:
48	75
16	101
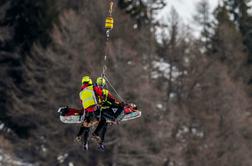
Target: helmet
86	79
100	81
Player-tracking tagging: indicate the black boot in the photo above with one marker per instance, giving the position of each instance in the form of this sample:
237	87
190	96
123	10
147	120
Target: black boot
85	138
101	147
96	138
85	146
63	110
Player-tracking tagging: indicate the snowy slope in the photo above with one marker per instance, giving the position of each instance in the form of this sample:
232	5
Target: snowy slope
8	160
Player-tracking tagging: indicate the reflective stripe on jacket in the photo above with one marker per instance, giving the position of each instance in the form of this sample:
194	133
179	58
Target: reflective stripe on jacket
105	93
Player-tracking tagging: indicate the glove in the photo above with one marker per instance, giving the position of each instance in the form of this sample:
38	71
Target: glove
122	104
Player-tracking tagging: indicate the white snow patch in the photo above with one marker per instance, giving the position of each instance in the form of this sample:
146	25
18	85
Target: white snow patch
185	129
172	95
1	126
250	9
129	62
145	67
43	148
171	163
70	164
163	69
160	106
197	133
6	159
135	26
194	130
61	158
155	75
182	131
43	138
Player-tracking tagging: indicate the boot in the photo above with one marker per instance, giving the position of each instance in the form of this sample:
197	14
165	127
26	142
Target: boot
85	146
77	139
101	147
63	110
96	138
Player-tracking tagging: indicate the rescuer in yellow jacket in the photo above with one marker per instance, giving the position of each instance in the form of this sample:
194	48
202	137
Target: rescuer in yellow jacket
91	96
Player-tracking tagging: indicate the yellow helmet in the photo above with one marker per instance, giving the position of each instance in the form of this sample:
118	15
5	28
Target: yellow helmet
100	81
86	79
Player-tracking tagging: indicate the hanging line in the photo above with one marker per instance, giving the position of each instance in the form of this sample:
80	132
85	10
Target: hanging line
110	84
109	24
104	68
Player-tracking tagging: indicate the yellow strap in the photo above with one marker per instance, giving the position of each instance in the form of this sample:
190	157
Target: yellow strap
105	94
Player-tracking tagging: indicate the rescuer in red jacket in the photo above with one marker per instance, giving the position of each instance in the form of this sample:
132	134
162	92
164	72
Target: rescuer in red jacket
91	96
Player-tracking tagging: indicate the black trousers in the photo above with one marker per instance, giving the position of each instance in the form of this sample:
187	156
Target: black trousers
89	116
101	129
112	112
85	131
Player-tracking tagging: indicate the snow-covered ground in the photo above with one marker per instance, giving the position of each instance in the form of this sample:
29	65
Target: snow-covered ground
61	159
8	160
4	128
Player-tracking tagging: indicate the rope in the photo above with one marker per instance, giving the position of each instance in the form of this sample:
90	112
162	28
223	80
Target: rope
104	68
111	3
111	8
105	77
109	26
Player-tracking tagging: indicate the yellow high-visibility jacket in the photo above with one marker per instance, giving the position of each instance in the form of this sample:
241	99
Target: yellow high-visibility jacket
87	96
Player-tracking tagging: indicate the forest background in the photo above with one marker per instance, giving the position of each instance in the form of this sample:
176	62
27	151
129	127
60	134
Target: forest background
194	93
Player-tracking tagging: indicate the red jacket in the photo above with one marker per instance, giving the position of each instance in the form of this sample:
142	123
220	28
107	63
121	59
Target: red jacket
99	92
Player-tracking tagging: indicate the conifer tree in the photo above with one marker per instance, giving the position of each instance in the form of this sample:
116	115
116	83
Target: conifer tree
227	45
202	18
239	10
31	22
